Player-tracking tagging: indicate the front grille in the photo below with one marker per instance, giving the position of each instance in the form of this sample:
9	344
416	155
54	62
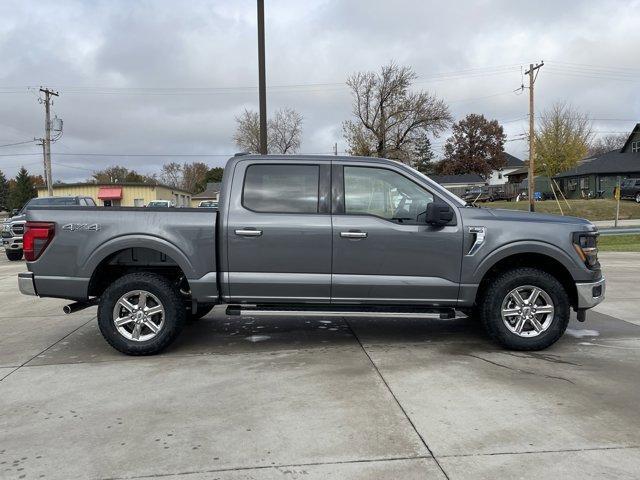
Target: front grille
17	229
6	234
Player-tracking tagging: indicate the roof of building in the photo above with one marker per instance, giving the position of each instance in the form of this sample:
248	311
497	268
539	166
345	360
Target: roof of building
610	162
119	184
519	171
635	130
465	178
511	161
212	191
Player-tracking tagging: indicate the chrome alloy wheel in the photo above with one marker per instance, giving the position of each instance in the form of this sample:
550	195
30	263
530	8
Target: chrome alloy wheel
138	315
527	311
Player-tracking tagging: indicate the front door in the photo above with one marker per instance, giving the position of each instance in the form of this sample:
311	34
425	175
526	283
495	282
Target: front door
279	232
383	251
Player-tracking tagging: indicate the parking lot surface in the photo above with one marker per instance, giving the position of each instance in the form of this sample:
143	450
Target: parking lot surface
271	398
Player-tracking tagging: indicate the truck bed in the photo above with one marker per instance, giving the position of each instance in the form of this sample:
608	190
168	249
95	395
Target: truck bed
86	237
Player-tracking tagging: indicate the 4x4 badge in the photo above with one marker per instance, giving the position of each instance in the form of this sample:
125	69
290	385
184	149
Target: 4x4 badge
74	227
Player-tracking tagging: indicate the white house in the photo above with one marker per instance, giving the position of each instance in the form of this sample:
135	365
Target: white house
499	177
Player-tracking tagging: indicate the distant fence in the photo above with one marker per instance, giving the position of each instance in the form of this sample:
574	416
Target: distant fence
510	189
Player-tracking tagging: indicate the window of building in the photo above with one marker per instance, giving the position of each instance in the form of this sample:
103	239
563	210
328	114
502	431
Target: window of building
383	193
572	184
584	183
635	147
281	188
138	202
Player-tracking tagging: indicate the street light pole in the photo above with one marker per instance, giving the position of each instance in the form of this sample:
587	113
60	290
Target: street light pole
262	89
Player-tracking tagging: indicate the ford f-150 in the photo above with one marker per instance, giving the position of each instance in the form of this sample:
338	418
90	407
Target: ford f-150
316	235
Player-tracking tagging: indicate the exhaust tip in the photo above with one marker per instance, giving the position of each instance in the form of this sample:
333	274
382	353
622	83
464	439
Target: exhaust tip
67	309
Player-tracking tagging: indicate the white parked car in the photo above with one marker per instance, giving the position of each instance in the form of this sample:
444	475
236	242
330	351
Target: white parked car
161	204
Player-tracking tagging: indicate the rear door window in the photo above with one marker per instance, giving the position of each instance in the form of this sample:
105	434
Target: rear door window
270	188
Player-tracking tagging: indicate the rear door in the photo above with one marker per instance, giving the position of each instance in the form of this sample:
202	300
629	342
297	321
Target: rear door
383	251
279	232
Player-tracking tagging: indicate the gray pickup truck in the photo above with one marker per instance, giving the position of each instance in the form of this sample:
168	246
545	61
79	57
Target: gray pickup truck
316	235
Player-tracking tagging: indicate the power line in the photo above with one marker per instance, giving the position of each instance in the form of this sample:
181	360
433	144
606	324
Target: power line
17	143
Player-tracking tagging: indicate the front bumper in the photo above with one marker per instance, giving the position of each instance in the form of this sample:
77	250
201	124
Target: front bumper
26	283
12	243
590	294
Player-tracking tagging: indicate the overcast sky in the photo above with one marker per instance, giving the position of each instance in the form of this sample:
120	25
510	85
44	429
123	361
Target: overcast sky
168	77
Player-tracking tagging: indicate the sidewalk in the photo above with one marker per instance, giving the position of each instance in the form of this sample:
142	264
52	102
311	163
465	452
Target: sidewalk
621	223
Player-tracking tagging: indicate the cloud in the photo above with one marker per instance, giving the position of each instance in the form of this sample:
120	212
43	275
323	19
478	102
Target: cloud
169	77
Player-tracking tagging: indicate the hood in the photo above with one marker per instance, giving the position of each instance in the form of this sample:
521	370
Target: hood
17	218
525	217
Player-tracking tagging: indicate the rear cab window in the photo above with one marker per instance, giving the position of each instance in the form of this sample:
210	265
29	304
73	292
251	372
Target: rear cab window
276	188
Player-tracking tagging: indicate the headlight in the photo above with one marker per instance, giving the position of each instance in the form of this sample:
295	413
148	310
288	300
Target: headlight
586	244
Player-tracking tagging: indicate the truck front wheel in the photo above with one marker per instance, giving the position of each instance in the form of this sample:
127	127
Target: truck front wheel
141	314
525	309
14	255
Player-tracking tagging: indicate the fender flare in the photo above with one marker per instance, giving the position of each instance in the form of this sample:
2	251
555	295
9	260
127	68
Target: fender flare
137	241
523	247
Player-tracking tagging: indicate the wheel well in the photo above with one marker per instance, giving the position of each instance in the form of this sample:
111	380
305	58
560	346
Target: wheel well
131	260
532	260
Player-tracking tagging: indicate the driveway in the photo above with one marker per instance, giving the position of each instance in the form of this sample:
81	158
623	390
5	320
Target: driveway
306	398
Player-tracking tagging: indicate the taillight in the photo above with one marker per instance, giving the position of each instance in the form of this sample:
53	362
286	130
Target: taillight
37	236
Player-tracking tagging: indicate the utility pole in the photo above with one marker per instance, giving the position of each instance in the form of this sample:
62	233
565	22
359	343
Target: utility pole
532	141
44	159
262	88
47	137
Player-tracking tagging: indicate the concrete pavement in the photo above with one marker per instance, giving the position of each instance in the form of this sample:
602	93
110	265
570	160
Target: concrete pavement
270	398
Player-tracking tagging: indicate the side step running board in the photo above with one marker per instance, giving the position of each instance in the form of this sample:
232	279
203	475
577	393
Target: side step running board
254	311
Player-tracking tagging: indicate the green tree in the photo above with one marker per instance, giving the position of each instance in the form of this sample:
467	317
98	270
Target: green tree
22	190
119	174
4	191
475	146
424	157
562	139
214	175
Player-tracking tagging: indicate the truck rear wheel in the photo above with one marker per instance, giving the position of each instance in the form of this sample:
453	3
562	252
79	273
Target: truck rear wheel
141	314
14	255
525	309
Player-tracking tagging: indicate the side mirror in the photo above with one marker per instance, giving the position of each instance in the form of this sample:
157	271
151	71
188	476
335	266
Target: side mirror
15	211
438	214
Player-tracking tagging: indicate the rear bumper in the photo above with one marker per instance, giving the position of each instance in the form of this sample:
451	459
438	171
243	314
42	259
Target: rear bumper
26	283
590	294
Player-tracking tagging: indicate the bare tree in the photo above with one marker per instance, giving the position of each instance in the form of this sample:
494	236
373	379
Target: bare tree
171	174
194	176
284	131
247	135
390	118
562	139
607	143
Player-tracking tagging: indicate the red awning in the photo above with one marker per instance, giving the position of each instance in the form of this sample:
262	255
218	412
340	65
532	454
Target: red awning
110	193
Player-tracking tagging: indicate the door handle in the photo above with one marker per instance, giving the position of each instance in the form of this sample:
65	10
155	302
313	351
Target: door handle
353	234
248	232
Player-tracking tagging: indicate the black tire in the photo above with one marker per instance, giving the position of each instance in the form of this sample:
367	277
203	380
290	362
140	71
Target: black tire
14	255
201	310
168	296
490	307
